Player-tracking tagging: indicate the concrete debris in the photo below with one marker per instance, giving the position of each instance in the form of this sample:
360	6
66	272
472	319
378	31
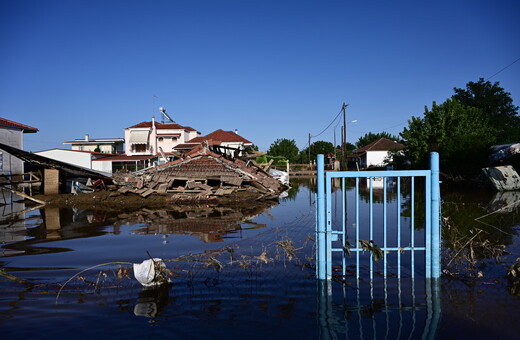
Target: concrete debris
503	178
202	174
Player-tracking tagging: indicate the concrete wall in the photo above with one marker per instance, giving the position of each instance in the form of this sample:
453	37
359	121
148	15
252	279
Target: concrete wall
14	138
105	166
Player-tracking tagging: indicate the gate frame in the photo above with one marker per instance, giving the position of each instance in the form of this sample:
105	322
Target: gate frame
324	232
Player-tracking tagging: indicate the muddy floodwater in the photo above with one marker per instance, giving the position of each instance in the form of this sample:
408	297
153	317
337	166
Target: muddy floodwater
248	272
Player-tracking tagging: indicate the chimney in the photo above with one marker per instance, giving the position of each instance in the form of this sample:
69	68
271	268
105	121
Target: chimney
153	121
236	131
86	138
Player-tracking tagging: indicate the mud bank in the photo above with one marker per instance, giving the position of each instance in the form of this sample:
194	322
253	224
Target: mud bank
113	200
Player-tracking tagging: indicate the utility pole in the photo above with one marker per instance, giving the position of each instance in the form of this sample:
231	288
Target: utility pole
309	148
344	139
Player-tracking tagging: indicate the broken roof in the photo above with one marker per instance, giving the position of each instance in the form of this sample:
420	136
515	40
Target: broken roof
23	127
160	126
221	136
202	163
45	162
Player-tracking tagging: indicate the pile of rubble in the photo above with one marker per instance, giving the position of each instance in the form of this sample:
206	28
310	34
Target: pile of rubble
202	175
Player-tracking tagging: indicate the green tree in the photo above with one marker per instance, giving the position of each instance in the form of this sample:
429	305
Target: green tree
284	147
316	148
455	131
497	108
372	137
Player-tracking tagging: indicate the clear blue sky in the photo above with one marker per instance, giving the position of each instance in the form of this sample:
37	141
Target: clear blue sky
271	69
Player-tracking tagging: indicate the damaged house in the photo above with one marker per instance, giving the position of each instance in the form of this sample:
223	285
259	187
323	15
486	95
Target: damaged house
205	175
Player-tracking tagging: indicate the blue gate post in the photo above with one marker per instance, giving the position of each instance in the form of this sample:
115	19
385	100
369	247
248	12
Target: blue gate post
321	251
435	216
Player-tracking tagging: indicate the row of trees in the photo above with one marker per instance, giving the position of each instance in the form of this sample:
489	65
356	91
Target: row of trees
462	129
287	148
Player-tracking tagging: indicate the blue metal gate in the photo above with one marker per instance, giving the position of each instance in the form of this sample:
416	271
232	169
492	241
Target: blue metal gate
336	241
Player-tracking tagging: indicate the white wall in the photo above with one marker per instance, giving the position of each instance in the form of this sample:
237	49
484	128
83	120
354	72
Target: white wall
14	138
83	159
105	166
376	158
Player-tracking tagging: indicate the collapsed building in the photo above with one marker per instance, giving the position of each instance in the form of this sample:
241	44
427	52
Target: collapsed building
203	173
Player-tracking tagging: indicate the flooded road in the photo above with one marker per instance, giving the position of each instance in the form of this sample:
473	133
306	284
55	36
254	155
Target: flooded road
247	272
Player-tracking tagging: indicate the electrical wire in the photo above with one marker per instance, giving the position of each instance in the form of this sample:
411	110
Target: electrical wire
503	69
329	124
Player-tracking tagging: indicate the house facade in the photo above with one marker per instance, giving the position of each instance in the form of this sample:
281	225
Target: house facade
375	154
103	145
154	138
11	134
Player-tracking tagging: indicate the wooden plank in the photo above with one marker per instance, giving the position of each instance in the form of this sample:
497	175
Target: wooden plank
27	197
162	188
147	193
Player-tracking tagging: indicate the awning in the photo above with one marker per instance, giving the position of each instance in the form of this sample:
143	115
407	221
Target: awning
139	137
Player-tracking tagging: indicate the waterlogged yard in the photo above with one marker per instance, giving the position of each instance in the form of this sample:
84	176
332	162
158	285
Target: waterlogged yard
249	272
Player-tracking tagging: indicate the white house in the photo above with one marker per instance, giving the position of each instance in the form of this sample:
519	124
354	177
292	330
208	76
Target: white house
375	154
11	134
227	139
83	159
153	138
104	145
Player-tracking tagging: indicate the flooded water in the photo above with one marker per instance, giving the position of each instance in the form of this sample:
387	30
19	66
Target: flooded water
248	272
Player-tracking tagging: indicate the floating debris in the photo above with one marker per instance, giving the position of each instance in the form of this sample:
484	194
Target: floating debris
152	272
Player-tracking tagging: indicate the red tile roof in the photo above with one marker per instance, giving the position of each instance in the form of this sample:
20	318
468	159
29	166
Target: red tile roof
221	136
381	144
25	128
160	126
185	146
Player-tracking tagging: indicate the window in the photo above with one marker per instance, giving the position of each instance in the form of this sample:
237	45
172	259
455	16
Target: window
160	139
140	147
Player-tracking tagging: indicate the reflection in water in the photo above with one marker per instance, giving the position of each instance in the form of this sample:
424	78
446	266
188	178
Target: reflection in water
208	223
151	301
394	309
504	202
21	236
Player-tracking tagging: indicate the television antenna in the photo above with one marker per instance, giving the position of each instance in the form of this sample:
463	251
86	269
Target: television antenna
165	116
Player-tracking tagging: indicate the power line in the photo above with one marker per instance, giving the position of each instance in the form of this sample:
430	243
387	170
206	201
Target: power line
340	111
504	68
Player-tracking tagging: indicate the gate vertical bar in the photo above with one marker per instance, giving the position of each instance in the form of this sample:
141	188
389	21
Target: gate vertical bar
320	207
435	215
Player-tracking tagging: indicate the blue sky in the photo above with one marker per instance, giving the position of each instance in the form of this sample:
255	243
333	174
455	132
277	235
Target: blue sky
271	69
